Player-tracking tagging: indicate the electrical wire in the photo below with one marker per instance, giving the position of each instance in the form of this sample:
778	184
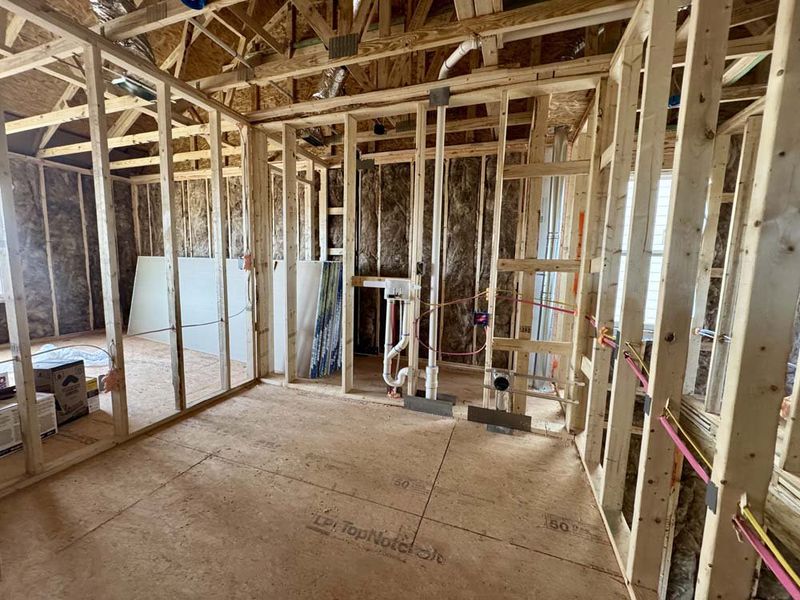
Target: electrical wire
759	530
539	304
633	351
141	333
437	306
687	437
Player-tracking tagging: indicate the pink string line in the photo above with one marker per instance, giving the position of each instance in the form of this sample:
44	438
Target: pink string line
768	558
684	449
636	370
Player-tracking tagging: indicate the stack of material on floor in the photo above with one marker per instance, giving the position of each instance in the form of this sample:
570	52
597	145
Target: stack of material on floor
67	382
10	428
326	356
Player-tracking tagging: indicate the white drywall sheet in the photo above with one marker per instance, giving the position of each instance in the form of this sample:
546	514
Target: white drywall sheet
199	305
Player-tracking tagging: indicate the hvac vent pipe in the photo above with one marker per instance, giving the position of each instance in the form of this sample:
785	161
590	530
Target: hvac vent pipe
432	370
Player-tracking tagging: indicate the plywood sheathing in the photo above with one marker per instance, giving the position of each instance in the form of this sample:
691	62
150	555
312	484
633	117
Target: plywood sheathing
297	496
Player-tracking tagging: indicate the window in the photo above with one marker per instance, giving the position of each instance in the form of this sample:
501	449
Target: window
659	235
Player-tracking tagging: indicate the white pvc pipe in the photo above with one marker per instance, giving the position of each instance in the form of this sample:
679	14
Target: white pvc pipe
432	370
460	52
390	352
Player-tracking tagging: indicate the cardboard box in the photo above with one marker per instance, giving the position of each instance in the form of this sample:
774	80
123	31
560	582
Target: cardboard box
93	393
11	429
67	382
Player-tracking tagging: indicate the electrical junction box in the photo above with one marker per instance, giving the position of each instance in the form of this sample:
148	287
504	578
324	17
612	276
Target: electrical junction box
397	289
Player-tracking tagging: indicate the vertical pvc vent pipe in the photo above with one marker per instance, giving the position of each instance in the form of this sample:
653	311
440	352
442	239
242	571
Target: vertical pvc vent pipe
432	370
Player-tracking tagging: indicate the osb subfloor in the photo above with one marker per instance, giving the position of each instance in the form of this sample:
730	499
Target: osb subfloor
466	385
148	379
281	493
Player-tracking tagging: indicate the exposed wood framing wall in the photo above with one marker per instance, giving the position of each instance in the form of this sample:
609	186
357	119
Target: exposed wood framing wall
95	50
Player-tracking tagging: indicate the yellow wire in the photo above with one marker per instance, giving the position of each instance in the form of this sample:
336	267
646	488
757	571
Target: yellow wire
639	358
768	542
688	437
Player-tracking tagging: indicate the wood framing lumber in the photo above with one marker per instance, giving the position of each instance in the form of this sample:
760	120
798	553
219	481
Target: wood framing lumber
40	13
258	29
705	260
495	248
323	214
742	66
260	203
130	163
136	22
539	265
627	89
656	490
570	245
597	127
737	122
16	312
550	169
416	241
532	346
640	230
730	272
586	366
348	251
529	224
23	61
106	235
456	151
465	90
170	229
219	214
133	139
187	175
452	126
290	252
158	15
550	16
762	338
325	33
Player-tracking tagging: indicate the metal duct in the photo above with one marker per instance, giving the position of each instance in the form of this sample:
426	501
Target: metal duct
330	85
106	10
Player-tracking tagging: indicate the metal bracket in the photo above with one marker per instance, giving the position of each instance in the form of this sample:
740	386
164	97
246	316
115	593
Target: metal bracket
341	46
712	492
648	402
499	418
443	408
440	96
